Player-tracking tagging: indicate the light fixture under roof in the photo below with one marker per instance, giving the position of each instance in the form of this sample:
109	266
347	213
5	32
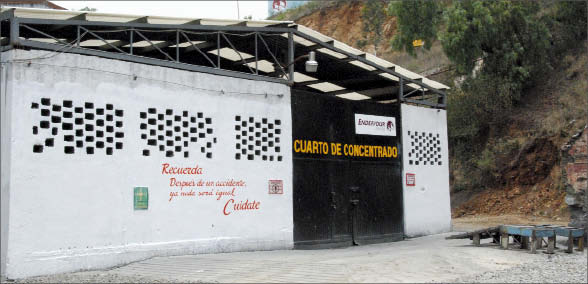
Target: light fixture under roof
311	65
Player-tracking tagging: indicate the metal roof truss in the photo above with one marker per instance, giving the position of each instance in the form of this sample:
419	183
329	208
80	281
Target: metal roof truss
235	50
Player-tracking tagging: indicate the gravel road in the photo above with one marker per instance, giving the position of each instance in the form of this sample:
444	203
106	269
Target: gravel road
556	268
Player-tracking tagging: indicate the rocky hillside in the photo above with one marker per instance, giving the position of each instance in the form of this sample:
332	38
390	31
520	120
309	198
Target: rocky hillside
530	170
342	20
525	156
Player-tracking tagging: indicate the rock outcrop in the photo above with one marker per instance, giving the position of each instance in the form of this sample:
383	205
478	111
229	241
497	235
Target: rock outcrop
574	164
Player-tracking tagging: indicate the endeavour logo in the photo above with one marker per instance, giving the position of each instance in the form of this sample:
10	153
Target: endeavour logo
375	125
389	125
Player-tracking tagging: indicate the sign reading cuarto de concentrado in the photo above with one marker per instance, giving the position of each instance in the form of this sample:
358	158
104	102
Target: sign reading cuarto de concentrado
189	182
343	149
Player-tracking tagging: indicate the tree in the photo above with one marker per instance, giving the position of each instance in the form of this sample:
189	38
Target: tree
414	20
373	15
508	35
570	23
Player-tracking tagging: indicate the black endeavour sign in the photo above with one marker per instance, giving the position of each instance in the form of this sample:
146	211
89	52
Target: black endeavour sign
347	171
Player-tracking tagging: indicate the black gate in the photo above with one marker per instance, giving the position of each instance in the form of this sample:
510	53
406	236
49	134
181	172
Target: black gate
347	187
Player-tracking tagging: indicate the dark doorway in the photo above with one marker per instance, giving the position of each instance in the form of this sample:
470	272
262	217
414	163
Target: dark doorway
344	197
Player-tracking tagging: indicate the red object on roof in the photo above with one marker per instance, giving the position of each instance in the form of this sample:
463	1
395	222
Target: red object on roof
279	4
43	4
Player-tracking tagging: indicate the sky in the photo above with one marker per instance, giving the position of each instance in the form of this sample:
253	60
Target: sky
185	9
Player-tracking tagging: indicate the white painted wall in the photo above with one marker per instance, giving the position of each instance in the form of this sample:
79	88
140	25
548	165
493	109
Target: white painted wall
71	212
4	165
426	205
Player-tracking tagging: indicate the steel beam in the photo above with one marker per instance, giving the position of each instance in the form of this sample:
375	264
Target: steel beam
312	82
427	103
245	61
238	53
142	23
102	39
80	17
334	93
150	61
14	32
367	92
154	26
107	46
199	46
277	63
154	46
195	47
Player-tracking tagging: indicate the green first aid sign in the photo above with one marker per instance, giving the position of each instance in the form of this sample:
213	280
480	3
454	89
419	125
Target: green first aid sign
141	198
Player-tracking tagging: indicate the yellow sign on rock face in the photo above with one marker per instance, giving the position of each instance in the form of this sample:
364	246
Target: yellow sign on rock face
417	42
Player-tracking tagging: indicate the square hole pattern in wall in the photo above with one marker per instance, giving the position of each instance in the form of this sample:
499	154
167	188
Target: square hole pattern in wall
176	133
424	148
257	139
82	126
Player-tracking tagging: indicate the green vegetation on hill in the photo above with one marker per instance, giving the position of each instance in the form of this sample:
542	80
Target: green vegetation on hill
503	49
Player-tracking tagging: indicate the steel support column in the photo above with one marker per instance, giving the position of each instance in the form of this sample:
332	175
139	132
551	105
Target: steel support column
131	42
401	89
218	57
14	31
256	56
291	58
177	45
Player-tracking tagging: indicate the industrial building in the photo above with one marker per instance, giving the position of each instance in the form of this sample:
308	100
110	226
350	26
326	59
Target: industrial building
126	137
